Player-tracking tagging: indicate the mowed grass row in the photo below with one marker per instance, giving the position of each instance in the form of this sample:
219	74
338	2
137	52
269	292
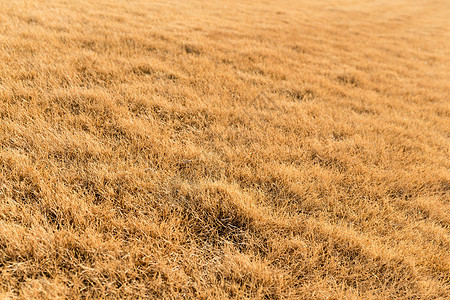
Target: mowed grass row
210	149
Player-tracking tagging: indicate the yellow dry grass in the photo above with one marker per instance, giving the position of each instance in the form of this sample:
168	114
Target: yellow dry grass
225	149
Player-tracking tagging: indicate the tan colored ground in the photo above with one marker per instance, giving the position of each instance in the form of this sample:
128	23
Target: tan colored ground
225	149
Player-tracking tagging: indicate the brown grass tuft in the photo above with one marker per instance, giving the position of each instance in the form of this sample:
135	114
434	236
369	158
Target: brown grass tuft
211	149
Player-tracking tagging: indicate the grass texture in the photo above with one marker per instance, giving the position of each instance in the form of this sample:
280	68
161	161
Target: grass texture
225	149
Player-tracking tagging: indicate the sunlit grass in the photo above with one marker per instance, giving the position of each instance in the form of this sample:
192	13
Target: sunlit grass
224	149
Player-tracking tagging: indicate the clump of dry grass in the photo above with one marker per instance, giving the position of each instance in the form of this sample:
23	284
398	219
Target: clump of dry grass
204	149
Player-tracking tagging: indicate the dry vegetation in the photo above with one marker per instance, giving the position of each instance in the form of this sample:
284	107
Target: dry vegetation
225	149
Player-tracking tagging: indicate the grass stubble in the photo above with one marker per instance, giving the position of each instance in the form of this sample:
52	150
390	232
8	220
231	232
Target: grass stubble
212	149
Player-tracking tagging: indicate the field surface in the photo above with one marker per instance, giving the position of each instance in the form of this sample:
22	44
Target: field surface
225	149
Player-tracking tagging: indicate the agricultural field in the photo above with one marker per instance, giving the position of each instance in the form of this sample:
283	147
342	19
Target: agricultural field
247	149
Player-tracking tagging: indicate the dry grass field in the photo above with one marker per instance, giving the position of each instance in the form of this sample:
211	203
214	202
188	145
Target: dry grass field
225	149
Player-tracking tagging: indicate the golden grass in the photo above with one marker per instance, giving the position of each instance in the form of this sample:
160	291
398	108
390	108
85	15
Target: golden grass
225	149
